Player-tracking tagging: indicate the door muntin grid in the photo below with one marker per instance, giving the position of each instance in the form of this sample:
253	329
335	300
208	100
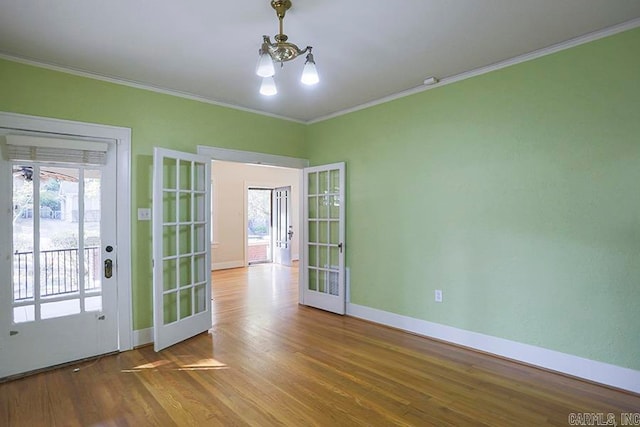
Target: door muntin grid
184	239
324	240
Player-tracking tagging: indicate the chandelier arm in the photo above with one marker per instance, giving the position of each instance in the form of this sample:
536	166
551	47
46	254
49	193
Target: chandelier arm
280	50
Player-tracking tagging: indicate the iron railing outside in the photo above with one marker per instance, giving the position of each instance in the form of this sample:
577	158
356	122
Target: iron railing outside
59	272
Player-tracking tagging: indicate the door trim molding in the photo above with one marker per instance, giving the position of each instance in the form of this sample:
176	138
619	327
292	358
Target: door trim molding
122	136
228	155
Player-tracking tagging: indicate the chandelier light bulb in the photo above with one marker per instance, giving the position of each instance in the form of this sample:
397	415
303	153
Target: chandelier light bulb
281	51
268	86
309	72
265	66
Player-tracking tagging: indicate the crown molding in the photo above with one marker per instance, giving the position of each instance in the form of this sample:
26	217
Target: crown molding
138	85
586	38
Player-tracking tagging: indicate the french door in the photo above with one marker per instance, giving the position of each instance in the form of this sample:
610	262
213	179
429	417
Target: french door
324	250
282	227
181	246
59	301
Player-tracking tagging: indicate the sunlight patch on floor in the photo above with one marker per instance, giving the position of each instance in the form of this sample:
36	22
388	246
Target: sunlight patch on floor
168	365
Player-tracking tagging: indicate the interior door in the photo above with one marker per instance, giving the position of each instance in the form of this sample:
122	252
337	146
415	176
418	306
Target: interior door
324	247
282	227
181	246
58	298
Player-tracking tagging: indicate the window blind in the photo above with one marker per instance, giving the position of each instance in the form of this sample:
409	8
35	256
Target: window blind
36	148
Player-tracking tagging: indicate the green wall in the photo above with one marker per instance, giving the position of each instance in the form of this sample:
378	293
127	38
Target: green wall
515	192
156	120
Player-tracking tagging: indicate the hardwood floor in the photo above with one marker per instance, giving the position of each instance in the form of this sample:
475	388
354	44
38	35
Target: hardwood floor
268	361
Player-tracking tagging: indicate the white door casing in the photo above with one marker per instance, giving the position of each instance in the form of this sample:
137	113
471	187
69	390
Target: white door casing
323	266
43	339
181	246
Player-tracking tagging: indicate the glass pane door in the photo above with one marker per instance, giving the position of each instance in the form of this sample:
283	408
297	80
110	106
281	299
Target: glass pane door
181	246
59	302
324	247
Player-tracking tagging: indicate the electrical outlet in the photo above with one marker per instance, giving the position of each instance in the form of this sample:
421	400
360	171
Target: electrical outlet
438	295
144	214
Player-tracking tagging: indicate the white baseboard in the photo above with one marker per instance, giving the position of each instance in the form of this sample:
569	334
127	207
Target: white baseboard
604	373
142	337
225	265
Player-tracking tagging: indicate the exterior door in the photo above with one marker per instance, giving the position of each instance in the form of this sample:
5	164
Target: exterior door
324	249
282	227
58	302
181	246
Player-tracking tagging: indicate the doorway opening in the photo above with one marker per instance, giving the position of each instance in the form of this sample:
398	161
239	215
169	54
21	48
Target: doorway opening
259	230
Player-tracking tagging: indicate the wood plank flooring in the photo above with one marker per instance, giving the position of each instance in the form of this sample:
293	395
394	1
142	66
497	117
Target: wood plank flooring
268	361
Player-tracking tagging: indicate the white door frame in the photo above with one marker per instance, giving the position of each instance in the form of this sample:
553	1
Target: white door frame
122	136
239	156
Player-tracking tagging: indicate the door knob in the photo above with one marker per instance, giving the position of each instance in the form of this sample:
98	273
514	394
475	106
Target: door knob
290	233
108	268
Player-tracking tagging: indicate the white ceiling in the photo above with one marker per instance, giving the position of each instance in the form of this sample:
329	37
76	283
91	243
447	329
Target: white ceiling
364	49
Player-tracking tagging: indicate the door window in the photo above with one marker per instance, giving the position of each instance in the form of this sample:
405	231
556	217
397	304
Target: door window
56	241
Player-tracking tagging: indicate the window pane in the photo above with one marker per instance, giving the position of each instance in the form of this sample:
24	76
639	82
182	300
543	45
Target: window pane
323	232
200	298
169	247
322	281
185	175
313	231
334	185
313	255
323	257
93	303
313	207
185	271
201	269
23	263
24	314
60	215
323	182
333	258
169	209
169	271
184	200
186	303
170	307
200	207
199	176
92	240
332	278
170	173
313	183
185	239
59	308
313	279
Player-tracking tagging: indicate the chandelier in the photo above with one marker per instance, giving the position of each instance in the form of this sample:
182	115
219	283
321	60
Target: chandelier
281	51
